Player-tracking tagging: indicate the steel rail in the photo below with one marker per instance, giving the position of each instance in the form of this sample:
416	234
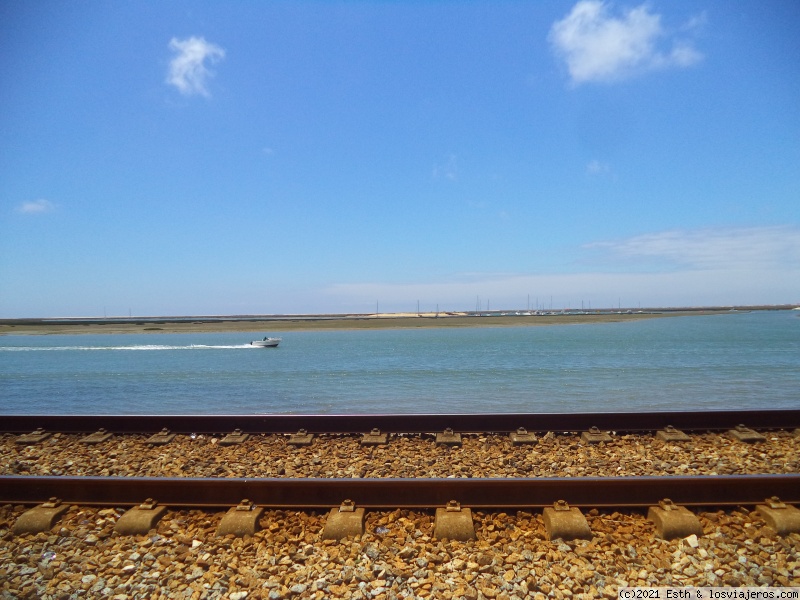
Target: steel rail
405	423
598	492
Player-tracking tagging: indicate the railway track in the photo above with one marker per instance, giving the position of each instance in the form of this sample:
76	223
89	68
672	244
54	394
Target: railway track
519	552
407	492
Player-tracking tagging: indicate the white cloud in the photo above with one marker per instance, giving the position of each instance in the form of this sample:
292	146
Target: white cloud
448	169
708	267
598	46
36	207
597	167
187	70
704	249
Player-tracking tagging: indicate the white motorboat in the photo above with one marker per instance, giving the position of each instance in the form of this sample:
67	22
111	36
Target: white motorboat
267	342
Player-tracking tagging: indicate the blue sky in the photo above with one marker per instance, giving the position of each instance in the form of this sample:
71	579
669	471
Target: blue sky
172	158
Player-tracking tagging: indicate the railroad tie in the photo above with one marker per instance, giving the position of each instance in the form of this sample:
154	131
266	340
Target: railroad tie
673	521
241	520
234	438
670	434
98	437
140	519
448	438
163	437
746	435
301	438
374	438
521	436
454	523
783	518
565	522
34	437
40	518
345	521
595	436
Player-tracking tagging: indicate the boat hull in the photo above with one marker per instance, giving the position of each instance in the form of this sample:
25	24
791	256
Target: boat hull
267	343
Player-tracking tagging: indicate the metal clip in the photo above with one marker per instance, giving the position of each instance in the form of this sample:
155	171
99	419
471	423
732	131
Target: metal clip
245	505
52	502
347	506
774	502
561	505
453	506
148	504
667	504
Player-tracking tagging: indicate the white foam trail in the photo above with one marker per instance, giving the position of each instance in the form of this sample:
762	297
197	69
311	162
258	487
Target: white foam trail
121	348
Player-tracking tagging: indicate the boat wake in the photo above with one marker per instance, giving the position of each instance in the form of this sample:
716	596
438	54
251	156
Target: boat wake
124	348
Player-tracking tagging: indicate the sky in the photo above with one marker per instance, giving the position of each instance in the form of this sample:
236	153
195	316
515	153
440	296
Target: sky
222	158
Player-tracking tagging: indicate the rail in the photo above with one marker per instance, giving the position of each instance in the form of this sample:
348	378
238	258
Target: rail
406	423
498	493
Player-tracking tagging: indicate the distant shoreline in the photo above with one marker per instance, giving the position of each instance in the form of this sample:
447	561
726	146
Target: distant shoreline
285	323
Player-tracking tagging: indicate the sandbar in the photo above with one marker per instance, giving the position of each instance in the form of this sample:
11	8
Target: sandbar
285	323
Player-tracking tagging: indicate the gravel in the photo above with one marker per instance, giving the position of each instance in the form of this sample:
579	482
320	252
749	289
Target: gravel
511	559
397	557
555	455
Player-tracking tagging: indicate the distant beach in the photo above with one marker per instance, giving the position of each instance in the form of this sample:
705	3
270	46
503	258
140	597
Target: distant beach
281	323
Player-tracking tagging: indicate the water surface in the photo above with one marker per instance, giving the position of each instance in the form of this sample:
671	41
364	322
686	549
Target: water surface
729	361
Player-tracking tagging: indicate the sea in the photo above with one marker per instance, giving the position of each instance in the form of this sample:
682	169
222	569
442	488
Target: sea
736	360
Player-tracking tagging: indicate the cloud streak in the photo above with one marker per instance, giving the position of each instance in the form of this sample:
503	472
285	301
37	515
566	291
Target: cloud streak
722	248
36	207
597	167
724	266
600	47
187	70
448	169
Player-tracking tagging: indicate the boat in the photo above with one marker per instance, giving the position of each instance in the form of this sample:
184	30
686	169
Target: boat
267	342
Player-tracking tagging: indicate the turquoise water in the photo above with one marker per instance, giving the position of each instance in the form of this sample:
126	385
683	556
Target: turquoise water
729	361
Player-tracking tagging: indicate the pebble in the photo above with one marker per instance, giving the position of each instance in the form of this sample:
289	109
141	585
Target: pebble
287	559
692	541
555	455
397	558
